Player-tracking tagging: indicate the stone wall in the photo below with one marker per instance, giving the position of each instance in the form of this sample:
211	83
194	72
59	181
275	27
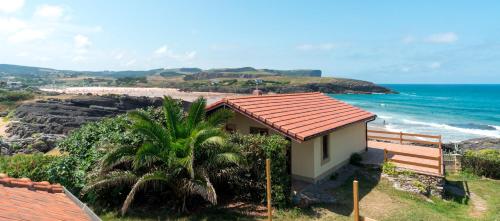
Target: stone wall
427	185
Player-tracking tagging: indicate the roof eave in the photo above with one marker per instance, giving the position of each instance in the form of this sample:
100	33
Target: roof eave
371	118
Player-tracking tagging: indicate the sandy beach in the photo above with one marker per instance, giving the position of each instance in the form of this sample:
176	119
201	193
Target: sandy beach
148	92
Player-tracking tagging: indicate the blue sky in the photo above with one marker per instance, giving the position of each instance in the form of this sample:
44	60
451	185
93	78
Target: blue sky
380	41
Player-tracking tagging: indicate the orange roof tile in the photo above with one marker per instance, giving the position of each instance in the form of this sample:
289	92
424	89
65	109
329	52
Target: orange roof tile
22	199
300	116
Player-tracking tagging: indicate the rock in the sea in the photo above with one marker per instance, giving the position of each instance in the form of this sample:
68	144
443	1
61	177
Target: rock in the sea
37	126
474	144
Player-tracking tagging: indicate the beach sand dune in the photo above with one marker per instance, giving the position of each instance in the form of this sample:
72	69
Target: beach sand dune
141	91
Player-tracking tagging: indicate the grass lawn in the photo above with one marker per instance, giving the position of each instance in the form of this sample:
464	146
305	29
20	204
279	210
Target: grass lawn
379	200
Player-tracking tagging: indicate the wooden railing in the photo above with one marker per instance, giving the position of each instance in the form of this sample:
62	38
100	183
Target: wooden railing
401	138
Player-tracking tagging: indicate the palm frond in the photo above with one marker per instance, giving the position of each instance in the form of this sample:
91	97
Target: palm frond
196	112
220	117
173	115
227	158
152	130
148	154
114	178
208	135
117	155
202	187
156	176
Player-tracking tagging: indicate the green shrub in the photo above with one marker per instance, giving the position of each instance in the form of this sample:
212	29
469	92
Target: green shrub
11	96
389	168
33	166
86	146
255	150
355	159
484	162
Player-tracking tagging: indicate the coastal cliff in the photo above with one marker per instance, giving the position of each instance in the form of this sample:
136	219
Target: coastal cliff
37	126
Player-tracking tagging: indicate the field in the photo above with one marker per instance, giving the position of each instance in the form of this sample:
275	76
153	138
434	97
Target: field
379	200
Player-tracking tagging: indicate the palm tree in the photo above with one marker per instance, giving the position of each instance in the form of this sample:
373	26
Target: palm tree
185	152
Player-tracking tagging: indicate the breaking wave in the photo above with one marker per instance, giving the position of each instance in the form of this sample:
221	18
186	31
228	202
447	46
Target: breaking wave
487	130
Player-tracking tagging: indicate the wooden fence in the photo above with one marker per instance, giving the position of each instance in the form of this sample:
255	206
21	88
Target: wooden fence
452	162
405	137
411	139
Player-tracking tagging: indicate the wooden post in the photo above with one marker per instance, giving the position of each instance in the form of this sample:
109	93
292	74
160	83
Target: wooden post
441	167
268	175
385	155
355	199
400	137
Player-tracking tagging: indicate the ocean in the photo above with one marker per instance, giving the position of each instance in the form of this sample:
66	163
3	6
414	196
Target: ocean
457	112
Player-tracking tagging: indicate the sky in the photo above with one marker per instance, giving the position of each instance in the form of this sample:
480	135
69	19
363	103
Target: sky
380	41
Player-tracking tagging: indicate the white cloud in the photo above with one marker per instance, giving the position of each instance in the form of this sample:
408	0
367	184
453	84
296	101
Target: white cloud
161	50
119	56
9	6
81	44
81	41
446	38
131	62
408	39
322	47
49	11
27	35
435	65
165	51
11	25
79	58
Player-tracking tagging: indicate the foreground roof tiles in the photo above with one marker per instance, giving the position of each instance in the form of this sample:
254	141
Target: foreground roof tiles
22	199
300	116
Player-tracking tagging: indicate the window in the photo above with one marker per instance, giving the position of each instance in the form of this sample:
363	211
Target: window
325	147
258	130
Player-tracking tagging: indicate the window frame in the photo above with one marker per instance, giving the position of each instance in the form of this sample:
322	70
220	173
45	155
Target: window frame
259	130
325	148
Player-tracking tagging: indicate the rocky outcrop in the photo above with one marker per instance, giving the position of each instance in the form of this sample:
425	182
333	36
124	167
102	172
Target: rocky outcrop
37	126
473	144
417	183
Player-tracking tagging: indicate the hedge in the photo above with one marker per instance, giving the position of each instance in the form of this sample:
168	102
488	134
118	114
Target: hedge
255	150
33	166
484	162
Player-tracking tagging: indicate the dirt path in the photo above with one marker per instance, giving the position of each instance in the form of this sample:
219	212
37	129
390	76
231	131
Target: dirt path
3	127
479	206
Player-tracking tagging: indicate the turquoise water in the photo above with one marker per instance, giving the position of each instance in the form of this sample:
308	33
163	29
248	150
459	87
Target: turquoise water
457	112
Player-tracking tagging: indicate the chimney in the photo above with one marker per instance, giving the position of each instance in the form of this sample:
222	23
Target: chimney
257	92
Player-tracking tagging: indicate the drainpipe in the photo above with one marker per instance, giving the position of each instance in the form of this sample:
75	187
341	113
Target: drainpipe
366	131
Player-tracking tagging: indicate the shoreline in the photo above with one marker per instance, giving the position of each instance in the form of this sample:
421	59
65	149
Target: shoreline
140	91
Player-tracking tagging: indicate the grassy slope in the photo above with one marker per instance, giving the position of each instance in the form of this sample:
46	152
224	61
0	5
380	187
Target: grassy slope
379	200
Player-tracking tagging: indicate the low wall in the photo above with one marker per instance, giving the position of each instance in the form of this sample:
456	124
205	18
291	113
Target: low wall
427	185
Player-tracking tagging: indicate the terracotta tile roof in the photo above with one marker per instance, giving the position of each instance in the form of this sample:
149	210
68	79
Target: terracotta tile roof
22	199
300	116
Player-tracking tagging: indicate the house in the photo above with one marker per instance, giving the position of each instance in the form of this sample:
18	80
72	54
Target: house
14	85
323	131
22	199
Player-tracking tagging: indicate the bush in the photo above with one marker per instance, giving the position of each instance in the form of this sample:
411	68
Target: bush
255	150
11	96
389	168
86	146
355	159
482	162
33	166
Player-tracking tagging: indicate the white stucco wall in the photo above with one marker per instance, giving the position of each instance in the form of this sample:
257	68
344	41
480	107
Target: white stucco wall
307	163
303	160
342	143
243	124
